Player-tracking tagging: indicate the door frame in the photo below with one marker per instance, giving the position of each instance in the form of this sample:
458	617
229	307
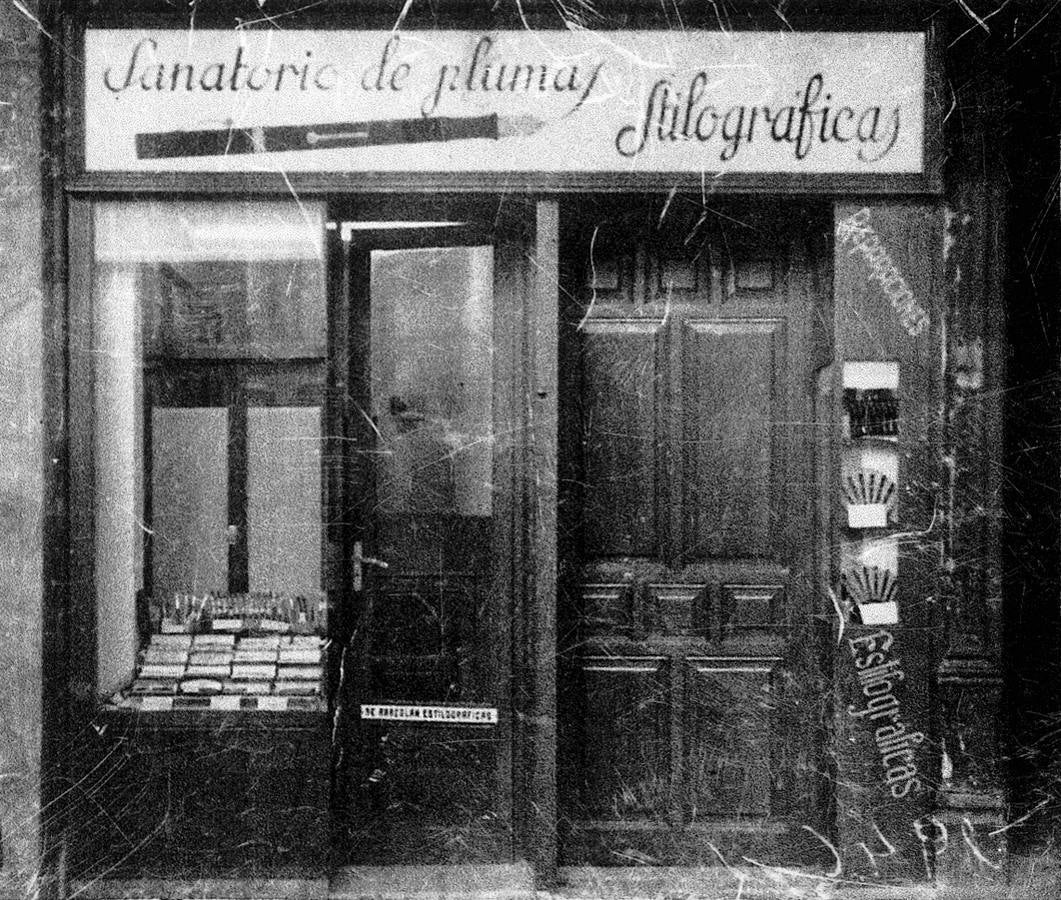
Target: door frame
524	236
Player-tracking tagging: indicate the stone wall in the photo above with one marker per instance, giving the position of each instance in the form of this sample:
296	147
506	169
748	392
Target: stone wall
21	470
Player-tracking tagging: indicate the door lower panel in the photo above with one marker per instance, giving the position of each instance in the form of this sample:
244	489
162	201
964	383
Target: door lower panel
431	795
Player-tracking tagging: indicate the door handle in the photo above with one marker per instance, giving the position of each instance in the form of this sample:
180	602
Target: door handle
360	561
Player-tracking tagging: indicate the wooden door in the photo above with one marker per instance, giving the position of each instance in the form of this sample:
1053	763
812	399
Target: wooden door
428	464
690	696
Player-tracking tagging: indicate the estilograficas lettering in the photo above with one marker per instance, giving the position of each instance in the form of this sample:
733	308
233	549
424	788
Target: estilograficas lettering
673	113
878	678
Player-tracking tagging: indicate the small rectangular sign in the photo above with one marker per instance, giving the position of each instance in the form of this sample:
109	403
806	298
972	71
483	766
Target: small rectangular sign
618	102
436	715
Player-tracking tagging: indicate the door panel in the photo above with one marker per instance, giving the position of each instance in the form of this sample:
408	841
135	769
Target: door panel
728	737
732	377
627	750
751	609
428	507
688	680
622	366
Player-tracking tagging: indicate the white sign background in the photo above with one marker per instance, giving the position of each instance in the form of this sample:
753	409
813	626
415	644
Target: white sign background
656	101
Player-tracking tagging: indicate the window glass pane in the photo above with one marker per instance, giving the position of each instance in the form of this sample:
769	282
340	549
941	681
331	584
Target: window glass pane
432	385
233	279
189	483
193	231
284	498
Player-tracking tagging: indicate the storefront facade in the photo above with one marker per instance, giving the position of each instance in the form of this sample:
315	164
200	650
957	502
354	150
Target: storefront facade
556	456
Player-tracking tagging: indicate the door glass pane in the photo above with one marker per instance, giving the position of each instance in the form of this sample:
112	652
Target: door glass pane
432	384
189	482
284	499
432	407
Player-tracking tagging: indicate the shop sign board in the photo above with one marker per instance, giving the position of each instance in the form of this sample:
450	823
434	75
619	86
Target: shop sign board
694	102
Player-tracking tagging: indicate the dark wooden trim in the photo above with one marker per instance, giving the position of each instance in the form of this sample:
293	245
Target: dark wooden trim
737	15
460	234
238	479
934	144
55	487
510	242
73	110
975	282
538	780
335	443
204	720
361	489
148	402
971	708
510	253
320	183
512	296
996	376
81	656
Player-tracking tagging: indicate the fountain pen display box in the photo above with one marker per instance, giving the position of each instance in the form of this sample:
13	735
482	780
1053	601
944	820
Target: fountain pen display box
231	653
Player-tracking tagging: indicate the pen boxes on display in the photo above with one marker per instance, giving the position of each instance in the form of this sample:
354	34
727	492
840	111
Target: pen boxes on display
871	399
251	651
871	413
246	613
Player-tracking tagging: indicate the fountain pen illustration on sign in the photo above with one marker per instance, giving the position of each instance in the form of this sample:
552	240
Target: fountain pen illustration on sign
281	138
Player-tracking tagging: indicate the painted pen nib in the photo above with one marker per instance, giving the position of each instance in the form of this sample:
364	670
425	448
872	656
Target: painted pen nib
518	126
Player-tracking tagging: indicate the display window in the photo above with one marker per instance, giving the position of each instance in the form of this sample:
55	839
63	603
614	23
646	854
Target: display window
209	338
